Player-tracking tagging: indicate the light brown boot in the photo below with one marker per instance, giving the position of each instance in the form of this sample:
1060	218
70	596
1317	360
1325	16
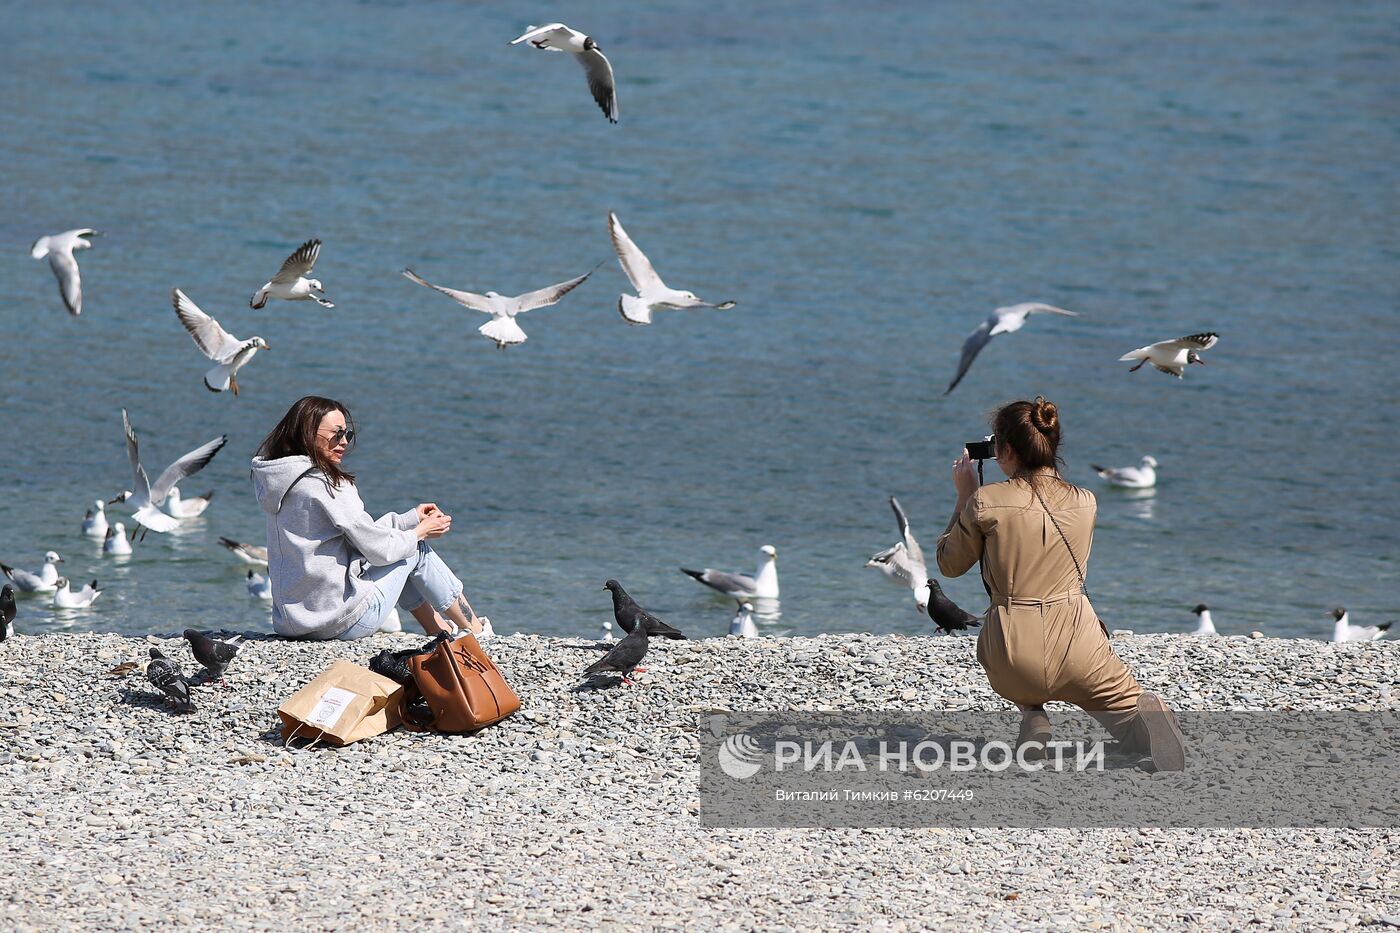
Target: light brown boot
1035	731
1156	733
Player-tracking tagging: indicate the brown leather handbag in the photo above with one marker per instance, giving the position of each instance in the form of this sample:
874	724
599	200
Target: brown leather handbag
461	686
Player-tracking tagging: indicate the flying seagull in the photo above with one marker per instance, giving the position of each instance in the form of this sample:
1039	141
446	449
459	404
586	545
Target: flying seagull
1001	321
65	598
502	327
628	614
166	676
8	610
654	294
59	249
95	520
43	580
116	542
230	353
1172	356
623	657
1343	630
903	562
741	626
248	553
762	585
1205	625
144	498
213	654
556	37
946	614
1141	476
291	282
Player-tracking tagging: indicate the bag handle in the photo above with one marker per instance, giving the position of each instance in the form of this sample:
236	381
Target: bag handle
1079	571
286	743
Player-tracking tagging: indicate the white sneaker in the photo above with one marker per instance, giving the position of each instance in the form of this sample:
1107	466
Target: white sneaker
393	623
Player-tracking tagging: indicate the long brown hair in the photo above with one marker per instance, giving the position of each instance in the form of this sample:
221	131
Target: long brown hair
295	435
1032	430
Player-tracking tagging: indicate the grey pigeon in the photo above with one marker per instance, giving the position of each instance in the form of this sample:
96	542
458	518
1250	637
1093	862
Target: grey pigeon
623	657
165	675
945	613
7	610
213	654
627	613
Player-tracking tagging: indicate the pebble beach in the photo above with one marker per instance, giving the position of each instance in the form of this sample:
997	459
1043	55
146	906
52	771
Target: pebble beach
579	812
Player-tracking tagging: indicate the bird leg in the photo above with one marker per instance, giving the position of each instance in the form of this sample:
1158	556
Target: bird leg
233	382
639	670
1138	366
626	681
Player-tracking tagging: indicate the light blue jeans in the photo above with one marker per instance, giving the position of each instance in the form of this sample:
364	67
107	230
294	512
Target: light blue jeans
409	583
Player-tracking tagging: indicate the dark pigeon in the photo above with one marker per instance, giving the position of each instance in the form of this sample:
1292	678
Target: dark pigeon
7	610
165	675
945	613
213	654
627	612
624	656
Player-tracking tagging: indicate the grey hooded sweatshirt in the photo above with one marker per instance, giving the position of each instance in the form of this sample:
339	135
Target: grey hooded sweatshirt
320	540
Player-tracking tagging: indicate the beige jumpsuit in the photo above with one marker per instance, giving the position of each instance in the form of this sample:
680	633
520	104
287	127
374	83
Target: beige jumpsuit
1041	639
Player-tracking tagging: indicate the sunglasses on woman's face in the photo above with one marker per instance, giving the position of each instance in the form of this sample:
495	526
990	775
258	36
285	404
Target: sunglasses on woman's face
341	435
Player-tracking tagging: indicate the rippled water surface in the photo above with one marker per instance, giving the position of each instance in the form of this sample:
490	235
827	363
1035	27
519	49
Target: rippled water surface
867	181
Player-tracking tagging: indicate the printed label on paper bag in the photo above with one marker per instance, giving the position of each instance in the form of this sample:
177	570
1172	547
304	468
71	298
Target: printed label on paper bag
330	708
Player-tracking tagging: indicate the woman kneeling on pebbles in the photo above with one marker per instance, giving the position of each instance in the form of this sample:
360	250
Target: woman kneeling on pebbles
336	572
1042	640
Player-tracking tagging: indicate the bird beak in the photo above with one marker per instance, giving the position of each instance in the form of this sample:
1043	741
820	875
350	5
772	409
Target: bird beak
1199	360
59	561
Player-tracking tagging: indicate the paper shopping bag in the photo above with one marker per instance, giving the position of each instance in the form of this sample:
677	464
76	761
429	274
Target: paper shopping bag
345	703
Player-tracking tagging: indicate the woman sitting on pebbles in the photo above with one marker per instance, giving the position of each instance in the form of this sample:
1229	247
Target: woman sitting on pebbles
1042	640
336	572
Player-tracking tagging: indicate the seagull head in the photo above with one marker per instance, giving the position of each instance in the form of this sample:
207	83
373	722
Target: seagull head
1200	609
769	550
1193	357
61	583
261	344
99	505
316	284
1149	461
52	558
589	45
1339	614
121	496
746	607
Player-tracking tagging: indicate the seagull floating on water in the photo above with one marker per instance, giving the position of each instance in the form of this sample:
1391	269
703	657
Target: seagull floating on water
1204	624
43	580
95	521
178	506
1343	630
248	553
1141	476
502	327
291	282
116	543
65	598
59	249
903	562
216	343
762	585
655	295
741	626
259	586
556	37
145	497
1001	321
1172	356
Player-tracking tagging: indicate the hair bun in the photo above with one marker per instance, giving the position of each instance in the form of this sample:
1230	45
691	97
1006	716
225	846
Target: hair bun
1045	416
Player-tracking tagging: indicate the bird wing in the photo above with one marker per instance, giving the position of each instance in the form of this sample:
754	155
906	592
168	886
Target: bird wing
213	341
70	284
298	264
188	465
1202	341
729	582
633	261
141	488
971	347
465	299
544	297
896	562
535	32
1013	317
916	553
600	81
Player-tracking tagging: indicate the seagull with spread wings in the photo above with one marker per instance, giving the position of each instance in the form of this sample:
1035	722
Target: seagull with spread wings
216	343
652	293
58	249
144	498
1172	356
291	282
502	327
903	562
1001	321
556	37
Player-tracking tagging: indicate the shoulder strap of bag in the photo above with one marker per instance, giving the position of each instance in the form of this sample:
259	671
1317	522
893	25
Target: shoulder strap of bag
1079	571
